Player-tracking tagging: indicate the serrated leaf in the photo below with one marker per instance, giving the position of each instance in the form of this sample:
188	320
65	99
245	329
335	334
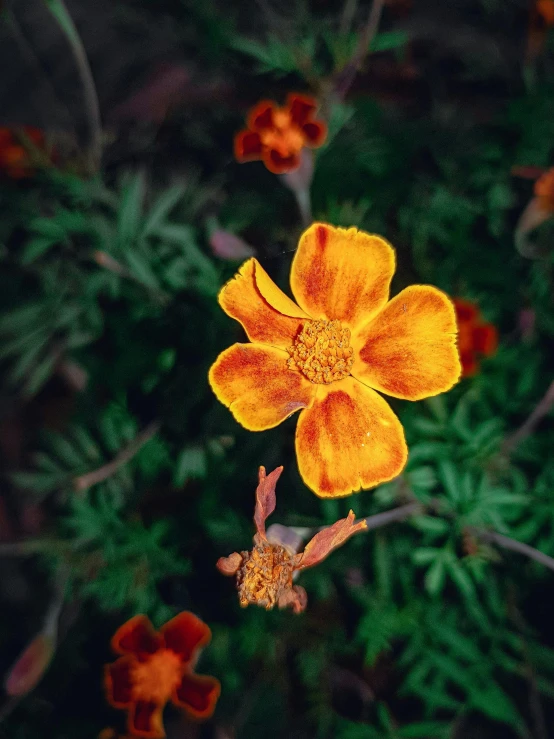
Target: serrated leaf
35	248
430	525
162	208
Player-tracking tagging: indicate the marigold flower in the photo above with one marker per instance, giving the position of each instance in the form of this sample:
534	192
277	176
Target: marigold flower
475	336
276	135
331	352
15	159
157	667
265	575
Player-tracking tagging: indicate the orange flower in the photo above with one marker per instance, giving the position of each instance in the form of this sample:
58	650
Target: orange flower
331	352
15	159
264	575
277	135
158	666
545	9
475	336
544	190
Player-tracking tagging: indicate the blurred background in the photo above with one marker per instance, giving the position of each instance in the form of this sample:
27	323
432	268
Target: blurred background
123	480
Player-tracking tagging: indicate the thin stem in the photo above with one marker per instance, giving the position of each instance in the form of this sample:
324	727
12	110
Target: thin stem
304	202
89	479
23	548
348	13
396	514
515	546
347	75
526	429
62	16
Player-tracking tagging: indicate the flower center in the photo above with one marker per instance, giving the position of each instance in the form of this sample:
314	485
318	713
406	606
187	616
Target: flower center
263	575
285	137
155	679
322	352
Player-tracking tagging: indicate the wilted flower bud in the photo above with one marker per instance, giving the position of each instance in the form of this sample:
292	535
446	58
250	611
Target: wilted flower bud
31	665
227	246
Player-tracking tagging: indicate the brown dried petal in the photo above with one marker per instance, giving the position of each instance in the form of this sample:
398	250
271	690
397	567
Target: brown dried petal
330	538
229	565
265	497
296	598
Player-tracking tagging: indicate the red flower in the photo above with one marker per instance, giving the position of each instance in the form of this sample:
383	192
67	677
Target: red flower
277	135
265	575
15	158
475	336
156	667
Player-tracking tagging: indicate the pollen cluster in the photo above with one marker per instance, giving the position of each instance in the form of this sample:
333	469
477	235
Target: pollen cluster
265	573
156	678
322	352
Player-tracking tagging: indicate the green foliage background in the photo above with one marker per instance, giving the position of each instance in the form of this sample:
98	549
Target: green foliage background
406	633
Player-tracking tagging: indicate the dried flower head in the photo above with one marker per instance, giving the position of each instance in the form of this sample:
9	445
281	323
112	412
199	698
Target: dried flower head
277	135
157	667
475	336
265	574
331	354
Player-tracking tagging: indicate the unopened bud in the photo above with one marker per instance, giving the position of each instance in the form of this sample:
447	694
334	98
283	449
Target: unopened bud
30	666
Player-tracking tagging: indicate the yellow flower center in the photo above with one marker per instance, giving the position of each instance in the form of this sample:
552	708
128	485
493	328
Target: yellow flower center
322	352
155	679
285	136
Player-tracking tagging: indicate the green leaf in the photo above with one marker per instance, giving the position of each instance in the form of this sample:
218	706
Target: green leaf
191	464
434	577
130	211
425	730
389	40
35	248
425	555
430	525
162	208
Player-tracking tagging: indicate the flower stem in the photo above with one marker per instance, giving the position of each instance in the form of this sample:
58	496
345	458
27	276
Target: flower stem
347	74
304	206
526	429
89	479
24	548
515	546
396	514
65	22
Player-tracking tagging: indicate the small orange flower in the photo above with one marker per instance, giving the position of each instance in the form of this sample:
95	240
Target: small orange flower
265	575
544	191
331	352
277	135
156	667
475	336
545	10
15	160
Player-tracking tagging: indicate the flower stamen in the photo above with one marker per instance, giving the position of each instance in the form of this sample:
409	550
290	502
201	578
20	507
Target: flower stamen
322	352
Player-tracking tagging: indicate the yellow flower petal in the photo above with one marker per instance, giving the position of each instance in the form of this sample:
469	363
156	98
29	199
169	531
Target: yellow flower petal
349	439
254	382
409	350
341	274
265	312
